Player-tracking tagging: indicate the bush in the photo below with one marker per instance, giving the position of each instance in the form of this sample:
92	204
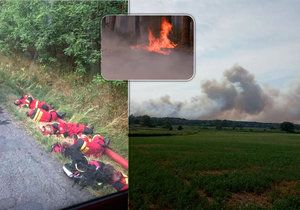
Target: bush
51	31
287	127
179	127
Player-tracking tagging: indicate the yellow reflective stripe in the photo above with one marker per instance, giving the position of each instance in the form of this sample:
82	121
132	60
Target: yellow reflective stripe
36	104
126	178
27	101
85	150
84	147
38	116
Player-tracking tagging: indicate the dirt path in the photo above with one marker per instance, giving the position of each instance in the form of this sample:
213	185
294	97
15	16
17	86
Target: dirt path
30	178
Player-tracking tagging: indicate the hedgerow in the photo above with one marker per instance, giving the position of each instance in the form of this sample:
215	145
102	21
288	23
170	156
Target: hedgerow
52	31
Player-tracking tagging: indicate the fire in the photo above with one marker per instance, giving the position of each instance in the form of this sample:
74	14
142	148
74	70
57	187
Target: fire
162	44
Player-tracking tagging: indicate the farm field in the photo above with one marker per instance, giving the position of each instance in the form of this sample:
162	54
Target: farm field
215	170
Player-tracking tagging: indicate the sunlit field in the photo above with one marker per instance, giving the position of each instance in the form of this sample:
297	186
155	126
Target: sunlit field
215	169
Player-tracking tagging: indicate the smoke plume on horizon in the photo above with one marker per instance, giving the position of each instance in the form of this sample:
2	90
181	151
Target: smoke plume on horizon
237	96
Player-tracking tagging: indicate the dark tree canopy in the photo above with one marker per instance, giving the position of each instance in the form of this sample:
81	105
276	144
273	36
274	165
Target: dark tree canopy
146	121
167	125
287	127
179	127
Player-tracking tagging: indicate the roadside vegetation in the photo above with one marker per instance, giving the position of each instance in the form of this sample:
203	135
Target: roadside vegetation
51	49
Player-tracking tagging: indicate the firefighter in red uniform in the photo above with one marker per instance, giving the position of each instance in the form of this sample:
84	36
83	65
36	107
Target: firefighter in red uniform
92	146
31	103
93	172
40	115
67	129
116	179
89	146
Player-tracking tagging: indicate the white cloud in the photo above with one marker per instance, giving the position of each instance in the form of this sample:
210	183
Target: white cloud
261	36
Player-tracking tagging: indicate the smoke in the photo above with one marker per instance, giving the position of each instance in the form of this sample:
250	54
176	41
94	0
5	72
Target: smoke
122	61
238	91
285	107
165	107
237	96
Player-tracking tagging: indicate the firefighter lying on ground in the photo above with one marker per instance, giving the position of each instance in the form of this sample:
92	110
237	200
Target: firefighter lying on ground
29	102
66	129
89	146
41	115
93	173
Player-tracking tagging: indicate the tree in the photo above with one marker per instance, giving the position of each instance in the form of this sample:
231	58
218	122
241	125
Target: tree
287	127
179	127
168	125
131	119
185	37
219	125
146	121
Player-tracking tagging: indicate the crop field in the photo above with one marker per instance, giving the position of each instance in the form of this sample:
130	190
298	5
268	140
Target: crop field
215	170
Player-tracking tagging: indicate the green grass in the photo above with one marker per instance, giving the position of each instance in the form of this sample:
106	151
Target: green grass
209	169
102	105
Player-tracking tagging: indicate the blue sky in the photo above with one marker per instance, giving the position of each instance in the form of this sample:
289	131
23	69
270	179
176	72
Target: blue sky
261	36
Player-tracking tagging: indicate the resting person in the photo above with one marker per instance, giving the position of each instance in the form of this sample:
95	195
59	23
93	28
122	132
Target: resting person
40	115
89	146
31	103
93	173
66	129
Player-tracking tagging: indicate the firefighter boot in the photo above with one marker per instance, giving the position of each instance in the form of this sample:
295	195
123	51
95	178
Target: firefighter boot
106	141
61	115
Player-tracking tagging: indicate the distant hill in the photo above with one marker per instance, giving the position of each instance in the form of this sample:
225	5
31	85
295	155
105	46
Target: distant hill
156	121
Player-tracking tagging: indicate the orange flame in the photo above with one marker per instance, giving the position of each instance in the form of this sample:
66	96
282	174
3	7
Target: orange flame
162	44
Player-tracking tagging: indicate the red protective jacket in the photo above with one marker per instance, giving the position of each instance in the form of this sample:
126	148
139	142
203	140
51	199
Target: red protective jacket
70	129
91	146
40	115
31	103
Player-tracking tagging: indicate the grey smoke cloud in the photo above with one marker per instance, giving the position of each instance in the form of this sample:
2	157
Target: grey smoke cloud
238	91
237	96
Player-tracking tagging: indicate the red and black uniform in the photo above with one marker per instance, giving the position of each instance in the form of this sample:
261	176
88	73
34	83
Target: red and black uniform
109	175
71	129
91	173
31	103
40	115
91	146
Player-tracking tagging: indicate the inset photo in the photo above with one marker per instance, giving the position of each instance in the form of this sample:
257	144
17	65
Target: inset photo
147	47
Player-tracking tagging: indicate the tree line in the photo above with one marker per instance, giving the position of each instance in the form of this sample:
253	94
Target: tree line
147	121
56	31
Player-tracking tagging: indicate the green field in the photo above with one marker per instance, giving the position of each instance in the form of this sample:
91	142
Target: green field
215	170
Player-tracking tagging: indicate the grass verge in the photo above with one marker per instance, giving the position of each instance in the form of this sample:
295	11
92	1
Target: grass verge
101	104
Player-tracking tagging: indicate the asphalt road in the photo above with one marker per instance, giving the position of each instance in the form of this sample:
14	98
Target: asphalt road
30	178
